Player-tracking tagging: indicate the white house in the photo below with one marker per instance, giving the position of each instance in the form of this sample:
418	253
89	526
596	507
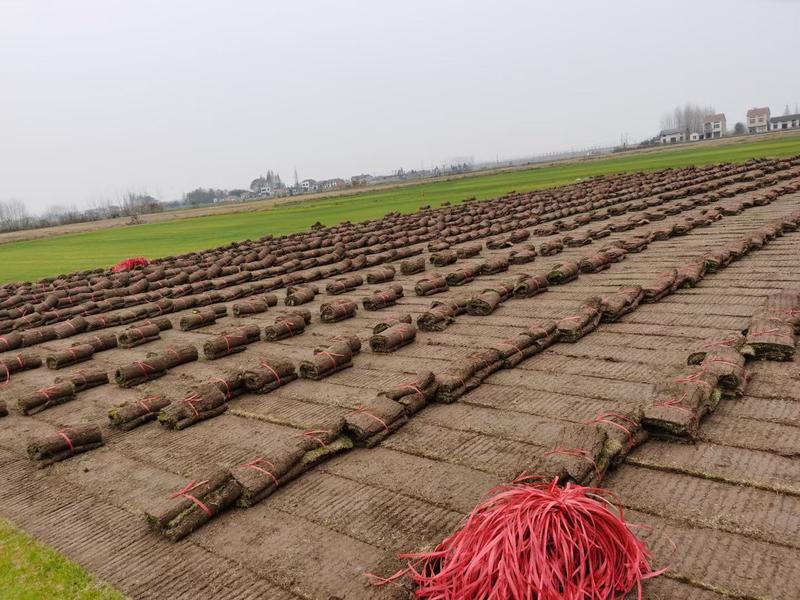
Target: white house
309	185
758	120
694	136
714	126
784	122
674	136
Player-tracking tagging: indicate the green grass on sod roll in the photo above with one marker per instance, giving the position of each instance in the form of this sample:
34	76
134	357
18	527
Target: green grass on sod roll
32	571
29	260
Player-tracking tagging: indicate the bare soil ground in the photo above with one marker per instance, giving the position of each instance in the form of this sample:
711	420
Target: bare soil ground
725	513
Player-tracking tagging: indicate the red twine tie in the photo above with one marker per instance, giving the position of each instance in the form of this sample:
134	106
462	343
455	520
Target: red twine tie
331	356
606	418
184	492
313	434
763	333
274	372
227	386
577	453
190	402
66	439
363	411
675	403
253	464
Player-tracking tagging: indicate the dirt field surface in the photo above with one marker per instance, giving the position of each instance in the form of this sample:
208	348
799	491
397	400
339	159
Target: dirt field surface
723	513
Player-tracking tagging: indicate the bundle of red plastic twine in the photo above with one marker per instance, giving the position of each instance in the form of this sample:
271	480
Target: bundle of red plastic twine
130	263
535	540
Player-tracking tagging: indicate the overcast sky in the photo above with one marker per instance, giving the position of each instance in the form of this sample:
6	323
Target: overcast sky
99	97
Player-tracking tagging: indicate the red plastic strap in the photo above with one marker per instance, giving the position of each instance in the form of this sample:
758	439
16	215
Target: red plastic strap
409	386
5	341
227	386
72	353
253	464
177	356
724	362
331	355
312	434
577	453
184	492
66	439
725	342
190	401
573	318
606	418
363	410
288	326
144	367
274	372
99	341
45	392
74	329
19	360
762	333
675	403
513	345
143	403
82	375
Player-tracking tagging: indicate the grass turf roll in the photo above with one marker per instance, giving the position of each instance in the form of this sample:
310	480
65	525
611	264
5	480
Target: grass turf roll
46	397
192	506
393	338
412	266
300	295
435	284
527	286
85	379
129	415
231	342
415	394
621	302
563	273
462	276
63	444
381	274
334	358
374	421
661	286
205	401
139	371
70	356
339	310
383	298
390	320
585	320
269	373
140	334
770	339
285	326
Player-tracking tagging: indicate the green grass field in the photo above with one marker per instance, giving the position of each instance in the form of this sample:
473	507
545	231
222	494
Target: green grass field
32	571
59	254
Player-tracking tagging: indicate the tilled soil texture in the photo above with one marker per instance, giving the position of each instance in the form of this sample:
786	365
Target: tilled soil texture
727	502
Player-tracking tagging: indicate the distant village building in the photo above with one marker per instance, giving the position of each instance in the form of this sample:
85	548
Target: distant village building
758	120
674	136
714	126
694	136
362	179
309	185
784	122
332	184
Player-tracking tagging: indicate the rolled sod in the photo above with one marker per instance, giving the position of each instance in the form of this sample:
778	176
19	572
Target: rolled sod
383	298
661	286
231	342
390	320
444	258
469	251
381	274
431	285
734	341
85	379
462	276
527	286
130	415
70	356
563	273
342	285
621	302
393	338
262	475
101	341
414	394
285	326
192	506
65	443
770	339
339	310
334	358
300	295
375	421
412	266
269	373
46	397
139	371
203	402
174	356
585	320
495	264
138	335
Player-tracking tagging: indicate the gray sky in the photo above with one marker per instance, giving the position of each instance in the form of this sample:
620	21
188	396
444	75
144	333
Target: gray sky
98	97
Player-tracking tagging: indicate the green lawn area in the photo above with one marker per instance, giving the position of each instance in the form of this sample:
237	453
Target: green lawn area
32	571
59	254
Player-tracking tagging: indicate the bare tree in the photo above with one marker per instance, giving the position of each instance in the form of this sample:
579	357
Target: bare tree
13	215
689	116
